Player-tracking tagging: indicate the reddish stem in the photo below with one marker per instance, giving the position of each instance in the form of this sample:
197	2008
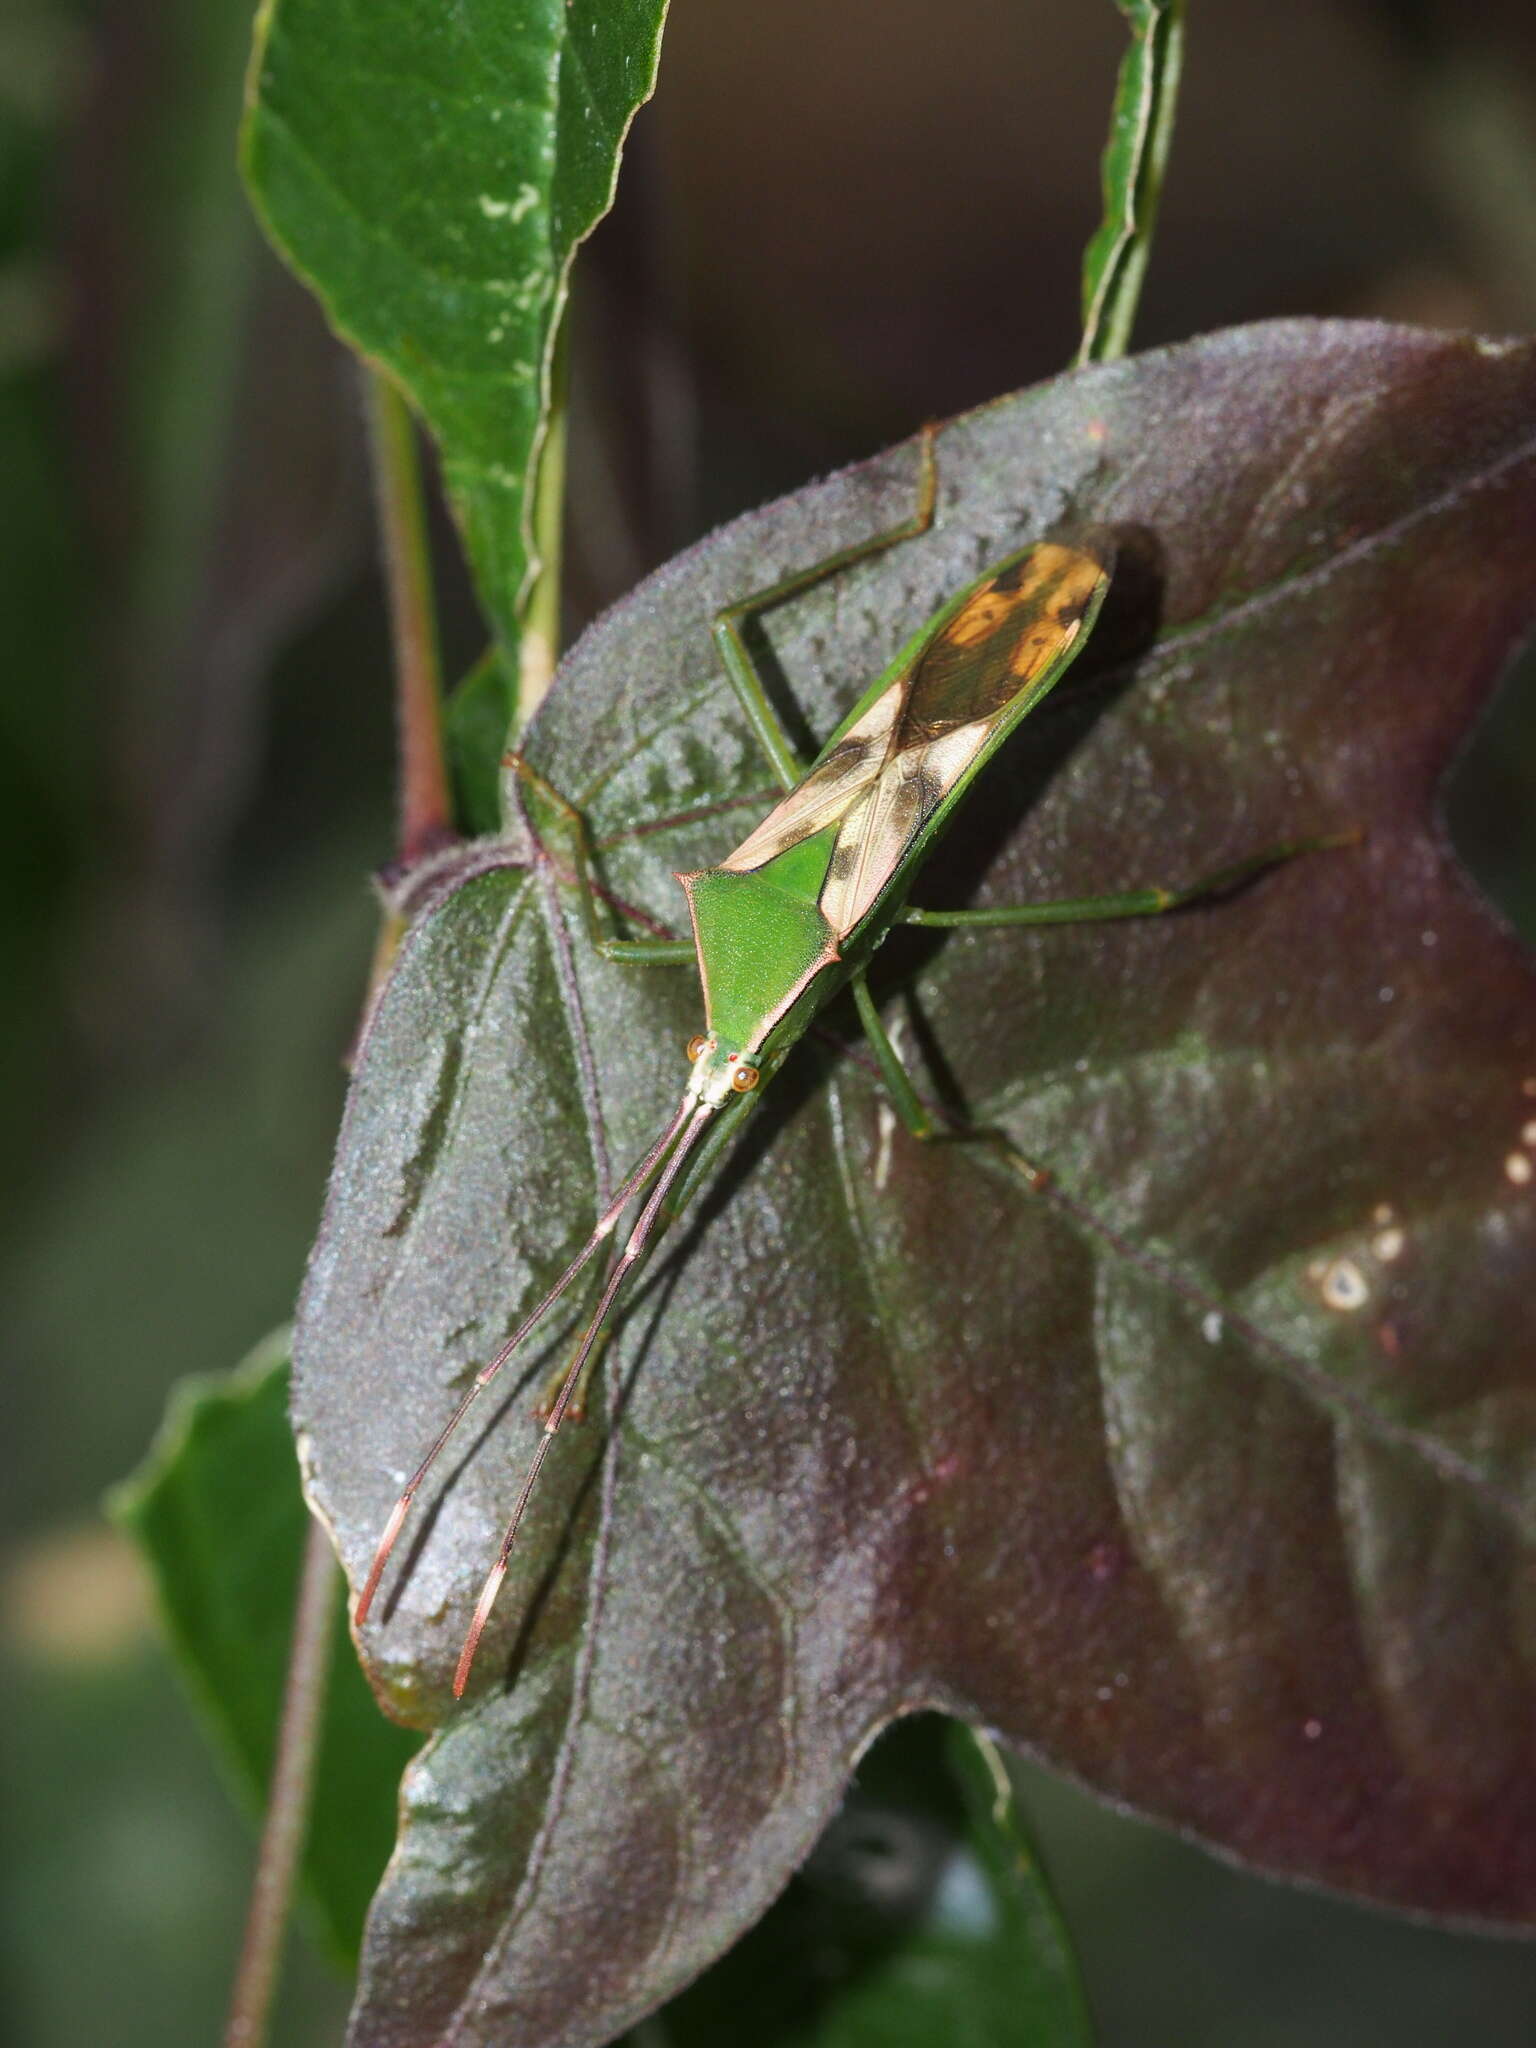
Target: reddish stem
426	801
425	822
288	1799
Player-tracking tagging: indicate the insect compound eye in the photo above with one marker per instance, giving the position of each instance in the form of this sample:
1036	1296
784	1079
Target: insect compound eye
744	1080
696	1045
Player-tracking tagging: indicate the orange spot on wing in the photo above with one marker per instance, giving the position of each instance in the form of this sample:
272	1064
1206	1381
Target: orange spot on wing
1004	635
1041	644
981	617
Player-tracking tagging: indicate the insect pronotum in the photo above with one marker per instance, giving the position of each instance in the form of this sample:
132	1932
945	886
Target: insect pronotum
796	911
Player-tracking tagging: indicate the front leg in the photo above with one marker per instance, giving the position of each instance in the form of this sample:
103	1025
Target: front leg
746	681
658	950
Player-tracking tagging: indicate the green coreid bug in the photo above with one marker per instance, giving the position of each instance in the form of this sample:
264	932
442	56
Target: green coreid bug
797	910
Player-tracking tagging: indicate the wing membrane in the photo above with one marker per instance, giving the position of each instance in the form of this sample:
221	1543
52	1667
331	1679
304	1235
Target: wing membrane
906	793
829	791
895	765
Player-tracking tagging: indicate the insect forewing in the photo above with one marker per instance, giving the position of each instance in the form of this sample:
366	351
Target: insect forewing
987	658
830	792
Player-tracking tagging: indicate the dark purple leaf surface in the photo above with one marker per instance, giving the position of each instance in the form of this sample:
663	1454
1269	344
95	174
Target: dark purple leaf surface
1206	1472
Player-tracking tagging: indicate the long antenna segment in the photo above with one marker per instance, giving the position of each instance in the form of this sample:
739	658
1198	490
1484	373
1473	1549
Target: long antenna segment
606	1224
640	1239
675	1140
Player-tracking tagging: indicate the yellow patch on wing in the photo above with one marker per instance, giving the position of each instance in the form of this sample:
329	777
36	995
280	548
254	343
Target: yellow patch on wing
981	617
894	766
1006	634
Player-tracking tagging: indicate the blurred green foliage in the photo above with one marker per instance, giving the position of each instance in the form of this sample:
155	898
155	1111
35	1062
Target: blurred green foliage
217	1511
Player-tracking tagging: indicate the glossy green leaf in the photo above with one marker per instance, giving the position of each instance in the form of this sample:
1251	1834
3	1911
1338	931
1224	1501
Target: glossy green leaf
217	1512
1135	160
1204	1469
429	172
920	1918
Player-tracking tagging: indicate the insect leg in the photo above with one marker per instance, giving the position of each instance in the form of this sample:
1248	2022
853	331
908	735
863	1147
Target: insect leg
660	948
649	952
767	726
914	1113
1134	902
898	1081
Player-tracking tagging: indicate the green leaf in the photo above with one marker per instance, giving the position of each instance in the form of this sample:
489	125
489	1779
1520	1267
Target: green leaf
1135	159
429	171
475	733
921	1917
217	1512
1204	1468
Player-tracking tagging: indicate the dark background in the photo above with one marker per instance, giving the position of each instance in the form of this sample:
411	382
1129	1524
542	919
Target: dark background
838	219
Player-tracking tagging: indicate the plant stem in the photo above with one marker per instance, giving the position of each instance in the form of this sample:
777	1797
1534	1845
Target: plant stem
540	643
287	1815
426	803
425	820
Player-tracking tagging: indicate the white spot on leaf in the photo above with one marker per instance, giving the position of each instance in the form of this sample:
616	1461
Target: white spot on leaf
509	209
887	1123
1344	1287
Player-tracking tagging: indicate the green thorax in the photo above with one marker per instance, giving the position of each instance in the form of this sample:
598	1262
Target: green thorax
760	937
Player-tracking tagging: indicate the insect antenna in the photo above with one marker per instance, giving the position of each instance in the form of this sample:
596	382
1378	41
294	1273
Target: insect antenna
640	1239
605	1226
